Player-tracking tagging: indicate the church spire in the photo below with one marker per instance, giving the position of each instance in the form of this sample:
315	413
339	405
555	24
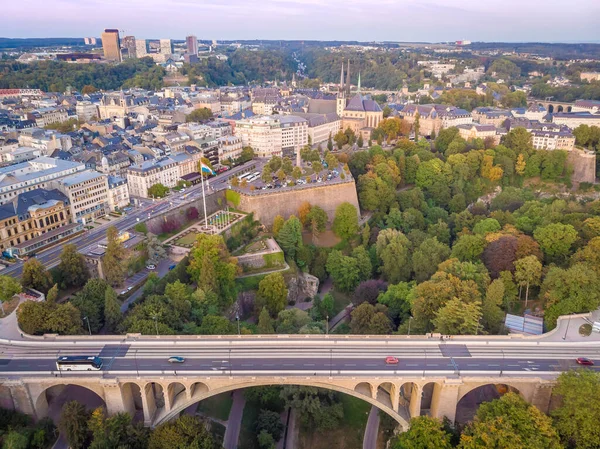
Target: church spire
348	80
342	79
358	90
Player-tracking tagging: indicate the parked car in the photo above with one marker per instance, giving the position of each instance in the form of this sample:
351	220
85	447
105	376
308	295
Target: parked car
172	267
151	266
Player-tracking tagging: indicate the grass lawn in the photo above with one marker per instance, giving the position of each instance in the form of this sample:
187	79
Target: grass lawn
347	435
247	438
188	239
9	307
216	406
341	300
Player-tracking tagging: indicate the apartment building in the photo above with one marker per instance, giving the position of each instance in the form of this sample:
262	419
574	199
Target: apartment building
33	220
434	117
548	139
475	131
45	140
143	176
490	116
87	193
230	148
574	119
34	174
118	193
294	134
86	111
47	116
262	133
591	106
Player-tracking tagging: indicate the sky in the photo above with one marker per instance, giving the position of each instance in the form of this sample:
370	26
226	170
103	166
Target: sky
361	20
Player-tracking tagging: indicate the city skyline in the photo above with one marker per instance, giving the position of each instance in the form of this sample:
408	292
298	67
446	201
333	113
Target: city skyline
407	20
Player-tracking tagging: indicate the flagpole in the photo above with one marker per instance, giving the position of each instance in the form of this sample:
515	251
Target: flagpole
203	197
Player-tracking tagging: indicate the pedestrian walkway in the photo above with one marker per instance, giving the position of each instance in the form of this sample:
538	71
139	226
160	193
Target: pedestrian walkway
9	327
234	423
567	328
371	429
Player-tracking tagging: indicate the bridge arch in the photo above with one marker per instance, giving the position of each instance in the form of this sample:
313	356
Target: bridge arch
200	392
470	398
49	400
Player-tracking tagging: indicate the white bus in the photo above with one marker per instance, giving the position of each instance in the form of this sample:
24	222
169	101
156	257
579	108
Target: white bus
79	363
244	176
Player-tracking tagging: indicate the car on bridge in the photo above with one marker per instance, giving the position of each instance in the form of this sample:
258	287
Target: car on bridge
176	359
391	360
584	361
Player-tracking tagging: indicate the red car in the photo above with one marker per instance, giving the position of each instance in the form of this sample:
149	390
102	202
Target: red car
584	361
391	360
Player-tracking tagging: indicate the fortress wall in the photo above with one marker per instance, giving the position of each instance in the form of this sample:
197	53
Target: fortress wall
266	205
584	165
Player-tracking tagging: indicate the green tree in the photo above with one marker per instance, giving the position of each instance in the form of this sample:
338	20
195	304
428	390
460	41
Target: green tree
272	294
265	323
15	440
278	223
458	317
316	220
38	318
113	261
158	190
270	421
213	268
492	315
468	248
72	267
290	236
424	433
427	258
344	271
297	173
519	140
73	424
112	309
528	271
216	325
555	239
183	433
576	418
9	287
154	249
36	276
393	249
199	115
265	440
369	319
329	143
486	226
317	408
290	321
363	261
509	423
52	295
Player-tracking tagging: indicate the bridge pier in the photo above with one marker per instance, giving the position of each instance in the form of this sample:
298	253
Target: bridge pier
445	400
21	400
414	405
114	398
148	404
542	396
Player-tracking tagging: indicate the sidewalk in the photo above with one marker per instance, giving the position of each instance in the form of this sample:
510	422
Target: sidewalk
371	429
9	327
567	328
234	422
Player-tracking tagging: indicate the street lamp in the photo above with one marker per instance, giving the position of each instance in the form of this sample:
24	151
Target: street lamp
327	324
237	317
567	329
409	321
88	323
155	318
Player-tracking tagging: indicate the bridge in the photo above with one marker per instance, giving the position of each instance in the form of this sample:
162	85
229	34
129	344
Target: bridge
432	376
552	106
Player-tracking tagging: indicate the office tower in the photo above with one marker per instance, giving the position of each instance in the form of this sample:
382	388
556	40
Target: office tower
89	40
192	45
166	47
111	45
141	48
128	43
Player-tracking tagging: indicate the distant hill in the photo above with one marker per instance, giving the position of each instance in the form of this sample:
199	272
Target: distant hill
30	43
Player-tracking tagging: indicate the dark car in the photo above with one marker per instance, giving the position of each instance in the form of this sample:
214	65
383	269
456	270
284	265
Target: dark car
172	266
584	361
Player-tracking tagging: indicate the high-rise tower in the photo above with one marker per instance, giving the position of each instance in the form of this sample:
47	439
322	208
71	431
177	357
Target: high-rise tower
111	44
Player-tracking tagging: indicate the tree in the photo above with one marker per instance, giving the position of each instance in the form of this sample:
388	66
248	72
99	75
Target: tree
9	287
303	212
317	408
427	257
199	115
184	432
15	440
158	190
290	321
417	125
492	315
424	433
52	295
154	249
265	323
363	261
216	325
72	267
272	294
360	142
329	143
212	267
113	261
116	431
73	424
270	422
458	317
468	248
38	318
112	309
555	239
500	255
290	236
278	222
520	165
528	271
267	174
393	249
36	276
576	418
369	319
297	173
265	440
343	270
397	299
368	291
316	220
486	226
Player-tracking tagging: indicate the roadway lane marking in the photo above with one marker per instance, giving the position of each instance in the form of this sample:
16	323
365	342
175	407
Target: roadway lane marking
412	364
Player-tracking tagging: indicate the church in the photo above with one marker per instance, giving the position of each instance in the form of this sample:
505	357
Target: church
359	113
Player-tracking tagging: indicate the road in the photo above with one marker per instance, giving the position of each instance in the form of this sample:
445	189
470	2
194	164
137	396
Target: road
234	422
371	429
293	355
148	209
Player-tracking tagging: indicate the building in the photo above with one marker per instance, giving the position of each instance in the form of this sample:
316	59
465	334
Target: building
48	116
590	76
434	117
490	116
166	47
294	134
118	193
111	44
262	133
45	140
321	126
87	193
86	111
591	106
34	220
191	43
574	119
548	139
141	48
89	40
359	113
34	174
128	44
141	177
533	112
230	148
475	131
